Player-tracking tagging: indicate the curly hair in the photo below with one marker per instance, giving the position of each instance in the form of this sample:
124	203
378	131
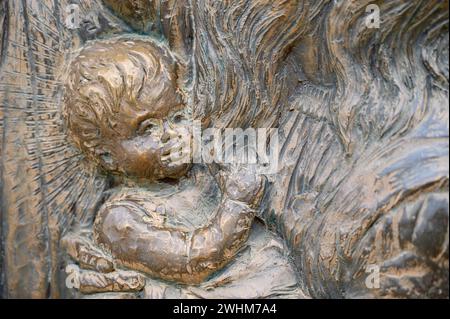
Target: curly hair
107	73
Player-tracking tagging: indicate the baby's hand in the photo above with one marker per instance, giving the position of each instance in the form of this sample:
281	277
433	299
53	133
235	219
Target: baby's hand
242	183
80	248
94	271
175	151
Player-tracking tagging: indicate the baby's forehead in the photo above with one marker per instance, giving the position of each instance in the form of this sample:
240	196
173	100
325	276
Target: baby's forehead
138	74
157	99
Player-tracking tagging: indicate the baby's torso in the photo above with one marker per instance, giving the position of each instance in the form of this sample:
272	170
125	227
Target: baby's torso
185	206
189	206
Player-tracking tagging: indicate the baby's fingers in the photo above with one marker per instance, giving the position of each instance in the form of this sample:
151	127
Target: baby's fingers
175	159
173	147
84	252
118	281
90	282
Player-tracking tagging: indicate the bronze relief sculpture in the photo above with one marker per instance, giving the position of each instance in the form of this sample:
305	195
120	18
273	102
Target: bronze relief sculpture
99	103
124	111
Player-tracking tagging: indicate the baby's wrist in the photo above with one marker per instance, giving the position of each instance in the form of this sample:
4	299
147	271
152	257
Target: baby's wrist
236	204
252	199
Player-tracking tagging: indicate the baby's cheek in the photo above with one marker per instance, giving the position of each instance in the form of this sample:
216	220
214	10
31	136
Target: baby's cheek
139	165
139	158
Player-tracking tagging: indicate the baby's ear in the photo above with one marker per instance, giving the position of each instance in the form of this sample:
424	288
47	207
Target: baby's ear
105	159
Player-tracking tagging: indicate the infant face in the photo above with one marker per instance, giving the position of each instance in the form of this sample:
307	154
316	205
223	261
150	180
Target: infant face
149	144
124	111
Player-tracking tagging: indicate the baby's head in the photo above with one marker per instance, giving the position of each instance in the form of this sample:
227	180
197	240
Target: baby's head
123	110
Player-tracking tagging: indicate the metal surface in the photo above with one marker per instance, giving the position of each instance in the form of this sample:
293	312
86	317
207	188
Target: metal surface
95	96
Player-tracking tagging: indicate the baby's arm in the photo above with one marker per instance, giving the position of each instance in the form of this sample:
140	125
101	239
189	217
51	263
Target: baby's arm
187	257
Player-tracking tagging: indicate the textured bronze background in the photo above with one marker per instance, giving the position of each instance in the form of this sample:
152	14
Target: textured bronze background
363	120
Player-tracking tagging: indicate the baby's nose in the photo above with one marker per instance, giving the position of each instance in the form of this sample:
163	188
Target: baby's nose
168	133
165	137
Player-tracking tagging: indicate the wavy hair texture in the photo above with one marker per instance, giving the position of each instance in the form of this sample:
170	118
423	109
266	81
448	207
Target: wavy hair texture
386	77
239	60
364	154
369	182
106	75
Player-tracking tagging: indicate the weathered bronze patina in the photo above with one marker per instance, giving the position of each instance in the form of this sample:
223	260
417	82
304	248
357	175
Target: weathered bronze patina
98	99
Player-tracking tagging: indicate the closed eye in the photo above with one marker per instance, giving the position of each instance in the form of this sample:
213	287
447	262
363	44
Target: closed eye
177	118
